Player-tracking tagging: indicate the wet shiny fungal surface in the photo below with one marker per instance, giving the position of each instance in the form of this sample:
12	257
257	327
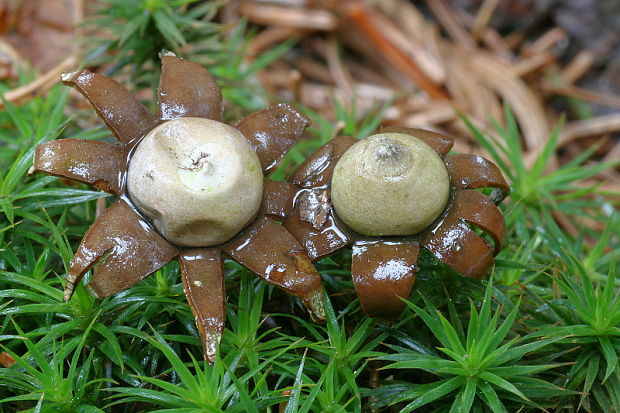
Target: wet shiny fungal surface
187	90
132	250
97	163
316	171
271	252
124	115
202	273
122	246
383	268
458	246
320	237
474	171
383	272
272	132
278	198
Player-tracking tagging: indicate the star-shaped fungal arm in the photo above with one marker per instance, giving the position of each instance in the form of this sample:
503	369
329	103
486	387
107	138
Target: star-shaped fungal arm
455	244
203	281
475	172
272	132
125	116
99	164
124	248
270	251
186	89
383	272
278	199
312	220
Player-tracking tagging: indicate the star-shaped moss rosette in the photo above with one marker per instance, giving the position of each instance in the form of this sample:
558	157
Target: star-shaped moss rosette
388	195
189	187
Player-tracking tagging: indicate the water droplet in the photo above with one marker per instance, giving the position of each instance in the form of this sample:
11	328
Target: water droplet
457	246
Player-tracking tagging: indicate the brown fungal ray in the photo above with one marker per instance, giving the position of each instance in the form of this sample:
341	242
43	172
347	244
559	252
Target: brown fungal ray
383	272
315	226
480	211
458	246
469	171
318	168
271	252
313	222
6	360
439	142
278	198
124	115
97	163
186	89
272	132
125	248
203	281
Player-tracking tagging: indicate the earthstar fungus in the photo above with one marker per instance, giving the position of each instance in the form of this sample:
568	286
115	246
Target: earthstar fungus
189	187
389	195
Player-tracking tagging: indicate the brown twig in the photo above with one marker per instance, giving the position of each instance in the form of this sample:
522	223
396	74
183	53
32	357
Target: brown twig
532	64
451	23
597	126
485	13
604	99
358	14
579	66
271	36
338	71
525	104
288	17
39	85
545	42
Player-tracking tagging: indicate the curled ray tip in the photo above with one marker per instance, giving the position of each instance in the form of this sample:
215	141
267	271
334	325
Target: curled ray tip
165	53
68	292
68	76
69	286
210	347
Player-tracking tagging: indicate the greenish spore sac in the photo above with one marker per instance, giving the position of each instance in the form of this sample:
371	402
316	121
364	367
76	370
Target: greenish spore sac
389	184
